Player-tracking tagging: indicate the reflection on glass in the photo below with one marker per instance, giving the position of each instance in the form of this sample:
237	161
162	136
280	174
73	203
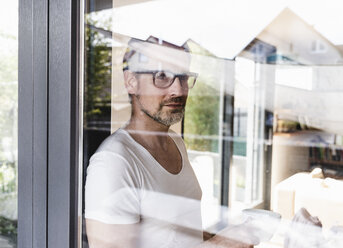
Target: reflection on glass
8	123
252	154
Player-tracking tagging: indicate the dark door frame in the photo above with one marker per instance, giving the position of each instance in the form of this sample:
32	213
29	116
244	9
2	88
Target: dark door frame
49	51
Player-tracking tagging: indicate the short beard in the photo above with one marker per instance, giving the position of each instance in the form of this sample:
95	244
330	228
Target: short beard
174	116
167	121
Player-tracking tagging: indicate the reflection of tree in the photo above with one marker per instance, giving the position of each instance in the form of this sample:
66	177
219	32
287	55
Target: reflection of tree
8	177
97	83
97	74
8	96
202	111
8	117
8	58
201	118
8	113
8	135
8	228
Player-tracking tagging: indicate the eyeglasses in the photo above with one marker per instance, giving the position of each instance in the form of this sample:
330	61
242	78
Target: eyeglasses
164	79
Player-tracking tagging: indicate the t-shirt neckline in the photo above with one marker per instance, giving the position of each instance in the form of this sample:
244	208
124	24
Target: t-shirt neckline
152	157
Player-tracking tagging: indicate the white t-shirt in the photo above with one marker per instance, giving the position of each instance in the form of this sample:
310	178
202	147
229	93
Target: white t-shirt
126	185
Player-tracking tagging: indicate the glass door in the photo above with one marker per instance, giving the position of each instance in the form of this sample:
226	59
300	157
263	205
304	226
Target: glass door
250	95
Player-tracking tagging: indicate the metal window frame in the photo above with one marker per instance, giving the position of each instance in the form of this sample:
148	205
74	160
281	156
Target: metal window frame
48	123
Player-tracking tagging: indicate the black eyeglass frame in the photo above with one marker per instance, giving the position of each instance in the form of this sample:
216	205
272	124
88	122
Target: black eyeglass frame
153	73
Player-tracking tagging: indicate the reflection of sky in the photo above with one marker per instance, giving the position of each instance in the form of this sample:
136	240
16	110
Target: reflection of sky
325	16
214	27
222	20
223	27
9	17
8	27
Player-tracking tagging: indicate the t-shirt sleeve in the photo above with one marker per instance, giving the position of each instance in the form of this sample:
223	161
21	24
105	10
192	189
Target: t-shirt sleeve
112	190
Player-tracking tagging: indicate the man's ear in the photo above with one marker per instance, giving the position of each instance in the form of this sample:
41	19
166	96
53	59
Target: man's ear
130	82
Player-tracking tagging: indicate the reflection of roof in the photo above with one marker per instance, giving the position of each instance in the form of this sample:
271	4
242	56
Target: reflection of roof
284	22
299	40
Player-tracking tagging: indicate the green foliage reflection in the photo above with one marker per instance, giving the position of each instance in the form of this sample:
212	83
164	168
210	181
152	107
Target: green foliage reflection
98	68
201	118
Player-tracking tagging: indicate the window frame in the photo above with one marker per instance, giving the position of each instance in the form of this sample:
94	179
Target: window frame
48	123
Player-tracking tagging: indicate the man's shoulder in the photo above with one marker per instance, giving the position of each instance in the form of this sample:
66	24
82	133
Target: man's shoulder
115	152
117	143
117	146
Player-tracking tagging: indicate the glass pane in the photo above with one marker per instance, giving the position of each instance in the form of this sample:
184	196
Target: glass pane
251	154
8	123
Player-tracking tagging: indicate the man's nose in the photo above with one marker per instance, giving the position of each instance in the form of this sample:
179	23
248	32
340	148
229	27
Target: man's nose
178	88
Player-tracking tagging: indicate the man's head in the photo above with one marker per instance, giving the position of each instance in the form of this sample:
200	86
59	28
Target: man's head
157	78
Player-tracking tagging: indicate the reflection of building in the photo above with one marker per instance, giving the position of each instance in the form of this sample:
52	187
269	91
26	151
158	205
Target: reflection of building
291	90
295	40
277	92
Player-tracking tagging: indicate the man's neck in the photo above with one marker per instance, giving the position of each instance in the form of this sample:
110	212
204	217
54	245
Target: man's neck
149	126
148	132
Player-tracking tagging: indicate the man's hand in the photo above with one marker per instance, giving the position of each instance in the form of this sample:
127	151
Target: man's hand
224	242
243	234
239	236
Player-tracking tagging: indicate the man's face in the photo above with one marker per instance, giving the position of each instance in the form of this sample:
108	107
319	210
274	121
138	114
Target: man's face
164	105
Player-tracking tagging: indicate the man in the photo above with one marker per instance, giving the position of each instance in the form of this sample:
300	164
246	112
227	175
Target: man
141	190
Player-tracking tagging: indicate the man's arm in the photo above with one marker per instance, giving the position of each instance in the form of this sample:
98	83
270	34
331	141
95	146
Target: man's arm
101	235
111	202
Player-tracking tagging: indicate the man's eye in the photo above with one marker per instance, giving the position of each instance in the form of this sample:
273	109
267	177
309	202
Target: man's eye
184	77
163	76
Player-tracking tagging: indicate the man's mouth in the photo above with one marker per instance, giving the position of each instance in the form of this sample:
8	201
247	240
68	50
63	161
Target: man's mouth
175	105
178	102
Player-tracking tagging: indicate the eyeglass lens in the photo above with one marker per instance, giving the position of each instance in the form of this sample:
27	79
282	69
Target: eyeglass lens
165	79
